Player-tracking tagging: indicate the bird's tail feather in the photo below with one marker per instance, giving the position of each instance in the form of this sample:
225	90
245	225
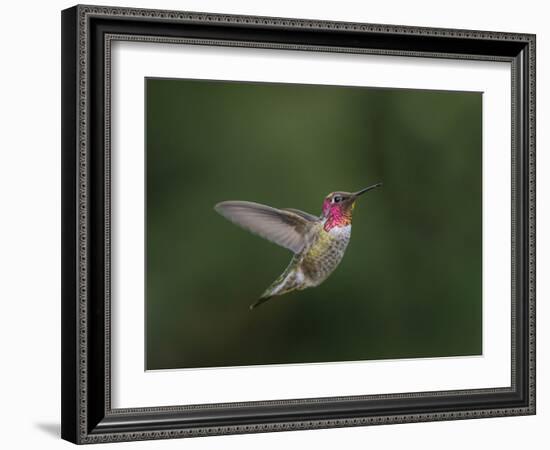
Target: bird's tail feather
287	282
260	301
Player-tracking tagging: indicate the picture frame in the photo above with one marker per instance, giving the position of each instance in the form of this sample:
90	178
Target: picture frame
88	415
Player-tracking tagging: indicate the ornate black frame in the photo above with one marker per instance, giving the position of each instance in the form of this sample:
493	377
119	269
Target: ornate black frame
87	32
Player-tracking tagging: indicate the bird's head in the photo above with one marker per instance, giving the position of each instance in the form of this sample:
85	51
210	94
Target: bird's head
338	206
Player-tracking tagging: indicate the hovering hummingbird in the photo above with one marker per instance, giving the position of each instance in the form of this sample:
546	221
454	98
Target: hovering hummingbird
318	243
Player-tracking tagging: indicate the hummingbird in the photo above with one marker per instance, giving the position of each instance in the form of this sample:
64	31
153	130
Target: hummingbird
318	242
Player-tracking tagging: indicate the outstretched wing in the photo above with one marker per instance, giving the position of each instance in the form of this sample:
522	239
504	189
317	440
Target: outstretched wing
309	217
283	227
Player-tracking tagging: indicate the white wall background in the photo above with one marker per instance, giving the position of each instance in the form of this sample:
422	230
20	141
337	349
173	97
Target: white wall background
30	222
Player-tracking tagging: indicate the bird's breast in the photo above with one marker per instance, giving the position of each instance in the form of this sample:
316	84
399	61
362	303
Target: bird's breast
325	253
339	233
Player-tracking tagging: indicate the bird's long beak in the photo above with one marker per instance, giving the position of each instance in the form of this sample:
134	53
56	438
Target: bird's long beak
362	191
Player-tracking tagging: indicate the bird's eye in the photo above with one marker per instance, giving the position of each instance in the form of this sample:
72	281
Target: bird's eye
337	199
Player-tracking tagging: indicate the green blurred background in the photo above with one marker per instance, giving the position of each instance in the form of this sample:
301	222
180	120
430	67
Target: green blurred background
410	283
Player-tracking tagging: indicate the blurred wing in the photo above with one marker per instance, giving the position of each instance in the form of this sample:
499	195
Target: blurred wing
309	217
282	227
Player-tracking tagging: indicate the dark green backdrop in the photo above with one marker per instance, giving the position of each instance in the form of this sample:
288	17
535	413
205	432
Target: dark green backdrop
410	283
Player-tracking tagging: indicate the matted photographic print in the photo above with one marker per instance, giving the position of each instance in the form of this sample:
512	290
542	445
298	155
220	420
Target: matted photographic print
275	224
294	223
